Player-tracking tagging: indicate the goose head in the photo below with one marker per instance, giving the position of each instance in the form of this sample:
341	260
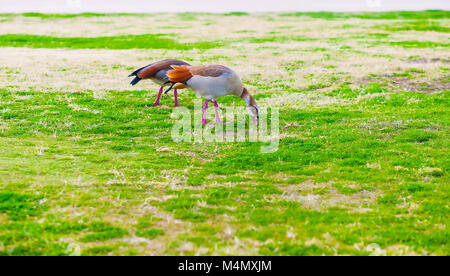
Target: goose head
252	106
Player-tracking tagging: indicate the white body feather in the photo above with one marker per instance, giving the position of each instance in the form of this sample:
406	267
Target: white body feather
212	87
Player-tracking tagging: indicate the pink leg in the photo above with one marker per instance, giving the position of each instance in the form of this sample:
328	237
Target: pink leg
175	93
216	109
205	107
159	96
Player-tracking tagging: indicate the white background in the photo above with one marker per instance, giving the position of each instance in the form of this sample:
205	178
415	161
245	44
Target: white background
143	6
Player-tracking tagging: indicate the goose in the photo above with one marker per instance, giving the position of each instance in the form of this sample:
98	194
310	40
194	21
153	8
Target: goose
157	72
211	82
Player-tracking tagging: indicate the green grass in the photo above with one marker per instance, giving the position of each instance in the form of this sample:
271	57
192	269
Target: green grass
392	15
148	41
71	15
340	156
362	157
395	15
419	25
160	41
150	233
419	44
20	206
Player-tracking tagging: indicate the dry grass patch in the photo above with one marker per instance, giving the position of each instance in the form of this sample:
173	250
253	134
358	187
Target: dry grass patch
328	196
302	100
73	70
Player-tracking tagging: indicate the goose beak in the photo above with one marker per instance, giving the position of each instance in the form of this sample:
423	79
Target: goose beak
255	120
253	111
175	85
170	88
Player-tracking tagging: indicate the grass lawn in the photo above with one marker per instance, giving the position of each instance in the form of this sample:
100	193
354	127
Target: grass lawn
88	165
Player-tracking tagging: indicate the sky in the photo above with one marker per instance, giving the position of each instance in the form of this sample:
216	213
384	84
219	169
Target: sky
145	6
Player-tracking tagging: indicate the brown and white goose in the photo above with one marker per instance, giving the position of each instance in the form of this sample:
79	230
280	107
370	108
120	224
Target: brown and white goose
157	72
211	82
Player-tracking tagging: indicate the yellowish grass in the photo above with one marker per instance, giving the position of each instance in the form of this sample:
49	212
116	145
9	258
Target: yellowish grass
103	70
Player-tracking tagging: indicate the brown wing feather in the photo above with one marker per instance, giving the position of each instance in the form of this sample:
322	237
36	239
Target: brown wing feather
153	69
210	70
184	73
179	73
